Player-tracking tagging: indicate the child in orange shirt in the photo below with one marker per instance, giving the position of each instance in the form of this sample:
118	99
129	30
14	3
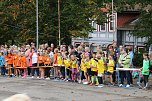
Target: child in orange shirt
16	63
47	63
41	61
9	62
23	64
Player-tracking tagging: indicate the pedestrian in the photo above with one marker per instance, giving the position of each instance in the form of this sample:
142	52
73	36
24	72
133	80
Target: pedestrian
47	62
124	62
41	61
34	57
2	64
110	69
93	66
74	66
100	68
23	64
145	71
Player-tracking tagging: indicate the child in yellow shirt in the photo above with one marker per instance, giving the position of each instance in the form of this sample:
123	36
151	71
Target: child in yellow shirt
87	69
67	63
110	68
60	65
74	66
93	65
83	68
101	69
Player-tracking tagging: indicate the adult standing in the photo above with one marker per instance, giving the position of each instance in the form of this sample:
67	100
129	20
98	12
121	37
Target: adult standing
124	62
115	57
28	59
131	54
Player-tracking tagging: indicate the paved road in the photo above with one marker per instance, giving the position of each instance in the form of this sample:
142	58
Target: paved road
46	90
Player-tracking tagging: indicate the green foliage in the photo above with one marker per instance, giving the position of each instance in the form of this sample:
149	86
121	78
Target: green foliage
19	19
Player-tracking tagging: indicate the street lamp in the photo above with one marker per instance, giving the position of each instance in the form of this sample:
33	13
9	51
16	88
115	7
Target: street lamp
37	26
59	30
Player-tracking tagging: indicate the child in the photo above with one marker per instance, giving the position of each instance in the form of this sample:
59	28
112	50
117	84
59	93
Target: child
101	69
74	66
87	66
60	65
83	69
110	68
23	64
41	63
145	71
2	64
47	62
93	65
17	63
9	61
66	62
55	62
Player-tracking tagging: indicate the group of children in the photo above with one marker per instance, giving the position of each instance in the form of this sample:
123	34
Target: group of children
17	64
91	69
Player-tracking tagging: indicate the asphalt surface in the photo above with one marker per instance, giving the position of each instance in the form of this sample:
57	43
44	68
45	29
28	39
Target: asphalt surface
49	90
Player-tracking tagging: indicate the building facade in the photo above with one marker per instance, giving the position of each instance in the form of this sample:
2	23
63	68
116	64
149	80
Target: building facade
118	28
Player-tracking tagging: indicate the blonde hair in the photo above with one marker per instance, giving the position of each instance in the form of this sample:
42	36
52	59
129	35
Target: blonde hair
56	50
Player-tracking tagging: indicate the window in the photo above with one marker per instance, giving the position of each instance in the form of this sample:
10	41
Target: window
112	23
99	28
103	27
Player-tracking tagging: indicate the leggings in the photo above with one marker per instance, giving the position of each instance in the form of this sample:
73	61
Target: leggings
74	73
144	79
100	80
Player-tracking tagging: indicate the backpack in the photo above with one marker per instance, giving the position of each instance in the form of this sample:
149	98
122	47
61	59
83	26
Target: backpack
150	66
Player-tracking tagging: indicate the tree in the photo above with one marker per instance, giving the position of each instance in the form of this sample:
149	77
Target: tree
143	25
19	19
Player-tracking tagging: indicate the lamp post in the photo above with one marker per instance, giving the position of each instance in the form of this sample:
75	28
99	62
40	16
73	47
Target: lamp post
37	26
59	30
113	19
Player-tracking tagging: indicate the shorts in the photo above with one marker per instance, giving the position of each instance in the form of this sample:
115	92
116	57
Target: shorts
34	65
93	73
41	64
108	73
89	71
100	75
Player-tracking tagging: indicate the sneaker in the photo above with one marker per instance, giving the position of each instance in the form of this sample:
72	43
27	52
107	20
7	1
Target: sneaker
79	81
139	84
145	88
85	83
32	77
146	85
127	86
100	85
47	78
121	85
42	78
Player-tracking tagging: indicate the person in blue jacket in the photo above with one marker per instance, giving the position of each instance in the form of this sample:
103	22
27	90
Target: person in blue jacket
2	64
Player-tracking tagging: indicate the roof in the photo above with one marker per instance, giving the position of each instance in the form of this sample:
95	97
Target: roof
126	20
